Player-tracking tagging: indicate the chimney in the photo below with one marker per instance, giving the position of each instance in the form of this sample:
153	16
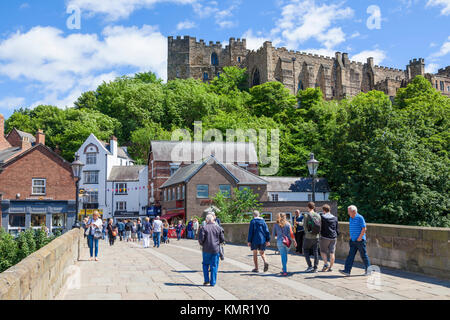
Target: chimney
113	145
4	144
25	144
40	137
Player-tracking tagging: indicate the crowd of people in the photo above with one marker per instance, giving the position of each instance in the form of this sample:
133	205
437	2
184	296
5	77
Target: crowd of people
310	233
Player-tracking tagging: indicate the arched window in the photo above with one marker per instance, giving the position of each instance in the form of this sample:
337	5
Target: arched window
256	78
214	59
205	76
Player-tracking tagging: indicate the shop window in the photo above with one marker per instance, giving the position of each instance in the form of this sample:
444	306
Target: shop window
17	220
38	220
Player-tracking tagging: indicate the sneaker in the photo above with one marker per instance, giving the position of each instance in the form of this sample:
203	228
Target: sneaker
329	270
266	267
309	269
314	270
205	283
325	268
345	273
255	270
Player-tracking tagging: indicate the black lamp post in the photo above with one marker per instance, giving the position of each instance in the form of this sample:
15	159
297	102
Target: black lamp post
313	165
77	165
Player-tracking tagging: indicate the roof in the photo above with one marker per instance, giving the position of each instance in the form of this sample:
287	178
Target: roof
295	184
241	176
23	134
125	173
9	153
121	151
225	152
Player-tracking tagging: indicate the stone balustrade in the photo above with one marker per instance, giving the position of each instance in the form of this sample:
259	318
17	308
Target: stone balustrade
43	274
415	249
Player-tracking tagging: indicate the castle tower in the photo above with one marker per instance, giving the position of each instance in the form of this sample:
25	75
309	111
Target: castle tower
415	68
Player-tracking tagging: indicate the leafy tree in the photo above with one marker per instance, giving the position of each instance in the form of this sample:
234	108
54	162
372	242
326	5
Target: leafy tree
141	139
23	249
233	208
29	235
231	80
271	98
8	250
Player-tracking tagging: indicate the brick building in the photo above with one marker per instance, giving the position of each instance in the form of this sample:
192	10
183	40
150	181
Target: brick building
338	76
166	157
36	185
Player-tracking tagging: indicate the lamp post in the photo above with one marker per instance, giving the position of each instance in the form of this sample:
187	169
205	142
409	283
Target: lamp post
77	165
313	165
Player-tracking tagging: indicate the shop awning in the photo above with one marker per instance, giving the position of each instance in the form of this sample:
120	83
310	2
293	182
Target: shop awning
172	214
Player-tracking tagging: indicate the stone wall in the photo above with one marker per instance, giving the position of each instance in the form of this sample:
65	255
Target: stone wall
43	274
415	249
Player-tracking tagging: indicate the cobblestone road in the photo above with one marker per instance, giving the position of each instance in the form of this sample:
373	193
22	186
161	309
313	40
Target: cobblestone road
127	271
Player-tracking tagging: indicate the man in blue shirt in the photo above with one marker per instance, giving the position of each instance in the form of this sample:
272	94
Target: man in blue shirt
258	239
357	226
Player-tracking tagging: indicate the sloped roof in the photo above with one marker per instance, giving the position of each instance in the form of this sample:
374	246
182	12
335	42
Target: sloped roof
121	151
23	134
241	176
225	152
125	173
295	184
9	153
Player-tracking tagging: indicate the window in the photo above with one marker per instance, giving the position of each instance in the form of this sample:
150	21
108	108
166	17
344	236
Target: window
39	186
309	197
441	84
121	206
275	197
225	189
58	220
173	169
448	88
289	217
91	158
178	193
239	59
267	216
183	193
205	76
91	197
202	191
121	188
214	59
91	177
17	220
38	220
170	195
165	194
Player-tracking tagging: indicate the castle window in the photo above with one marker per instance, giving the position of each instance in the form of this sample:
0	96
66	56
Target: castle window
256	78
442	85
214	59
205	76
239	59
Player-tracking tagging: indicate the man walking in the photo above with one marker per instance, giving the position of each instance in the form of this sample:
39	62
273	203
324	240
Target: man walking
157	226
328	236
121	229
311	224
299	231
128	227
210	238
258	239
358	229
190	229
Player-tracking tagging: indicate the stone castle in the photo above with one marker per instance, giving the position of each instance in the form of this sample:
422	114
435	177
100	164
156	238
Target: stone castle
337	76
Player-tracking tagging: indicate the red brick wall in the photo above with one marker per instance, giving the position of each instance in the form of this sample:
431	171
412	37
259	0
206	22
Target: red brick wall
4	144
14	139
38	163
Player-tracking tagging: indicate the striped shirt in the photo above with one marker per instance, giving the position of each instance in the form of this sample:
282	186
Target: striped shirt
356	225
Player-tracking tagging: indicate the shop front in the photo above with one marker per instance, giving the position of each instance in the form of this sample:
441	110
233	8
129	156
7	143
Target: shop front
87	213
56	215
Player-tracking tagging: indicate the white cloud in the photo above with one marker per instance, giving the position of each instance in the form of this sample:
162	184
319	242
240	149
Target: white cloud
62	66
302	20
355	35
11	102
377	55
184	25
254	42
441	3
445	49
222	17
118	9
431	68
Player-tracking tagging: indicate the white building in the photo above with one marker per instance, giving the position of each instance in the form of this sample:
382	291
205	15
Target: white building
107	168
296	189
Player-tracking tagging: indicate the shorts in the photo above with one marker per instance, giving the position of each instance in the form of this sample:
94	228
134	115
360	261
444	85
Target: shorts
133	235
327	245
260	247
127	234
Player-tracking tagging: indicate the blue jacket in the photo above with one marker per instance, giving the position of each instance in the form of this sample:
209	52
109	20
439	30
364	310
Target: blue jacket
258	232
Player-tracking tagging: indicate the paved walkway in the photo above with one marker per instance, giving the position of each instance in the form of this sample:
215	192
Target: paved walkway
127	271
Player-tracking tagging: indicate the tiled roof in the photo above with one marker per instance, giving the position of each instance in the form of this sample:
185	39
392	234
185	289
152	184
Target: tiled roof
121	151
295	184
9	153
23	134
125	173
225	152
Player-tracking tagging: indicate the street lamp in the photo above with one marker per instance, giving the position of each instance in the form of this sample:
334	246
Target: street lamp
77	165
313	164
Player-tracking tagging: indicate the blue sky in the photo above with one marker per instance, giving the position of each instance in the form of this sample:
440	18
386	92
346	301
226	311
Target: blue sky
45	60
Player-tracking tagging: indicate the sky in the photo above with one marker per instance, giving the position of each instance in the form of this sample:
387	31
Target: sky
51	51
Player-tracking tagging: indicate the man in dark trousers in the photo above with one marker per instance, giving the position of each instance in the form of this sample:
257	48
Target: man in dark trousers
299	231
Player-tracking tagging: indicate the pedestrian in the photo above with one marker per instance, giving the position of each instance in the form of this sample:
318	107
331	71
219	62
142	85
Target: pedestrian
134	232
196	226
190	229
299	231
311	225
258	239
112	232
139	229
165	231
85	227
146	230
282	232
128	227
95	233
358	228
157	227
121	229
104	225
179	229
210	238
328	237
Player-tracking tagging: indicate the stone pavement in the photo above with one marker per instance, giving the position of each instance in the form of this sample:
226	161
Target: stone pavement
127	271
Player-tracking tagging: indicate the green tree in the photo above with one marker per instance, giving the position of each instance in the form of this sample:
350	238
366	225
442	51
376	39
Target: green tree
271	98
8	250
232	208
29	235
23	249
231	80
141	139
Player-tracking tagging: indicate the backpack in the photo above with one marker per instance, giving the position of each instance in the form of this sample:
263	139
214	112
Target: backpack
314	224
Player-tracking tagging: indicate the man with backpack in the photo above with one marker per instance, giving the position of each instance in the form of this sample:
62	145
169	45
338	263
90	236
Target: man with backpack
121	229
312	226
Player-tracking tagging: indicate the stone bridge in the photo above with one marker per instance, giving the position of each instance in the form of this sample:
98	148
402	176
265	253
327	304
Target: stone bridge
413	264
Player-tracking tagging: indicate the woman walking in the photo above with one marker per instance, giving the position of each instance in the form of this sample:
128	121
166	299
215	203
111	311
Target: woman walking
179	229
134	229
147	230
139	229
95	233
165	231
112	232
282	232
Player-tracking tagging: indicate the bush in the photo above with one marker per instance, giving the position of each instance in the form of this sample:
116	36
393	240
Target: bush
8	250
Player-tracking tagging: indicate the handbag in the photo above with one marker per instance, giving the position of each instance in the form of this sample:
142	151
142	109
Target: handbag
97	234
286	241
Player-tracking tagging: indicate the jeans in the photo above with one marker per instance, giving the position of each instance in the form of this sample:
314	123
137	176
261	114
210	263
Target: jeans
190	234
165	235
311	244
210	267
121	235
157	238
178	235
111	239
93	242
299	238
284	254
139	235
354	247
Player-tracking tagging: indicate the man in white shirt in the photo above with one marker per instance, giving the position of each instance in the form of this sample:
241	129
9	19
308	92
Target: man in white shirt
157	226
